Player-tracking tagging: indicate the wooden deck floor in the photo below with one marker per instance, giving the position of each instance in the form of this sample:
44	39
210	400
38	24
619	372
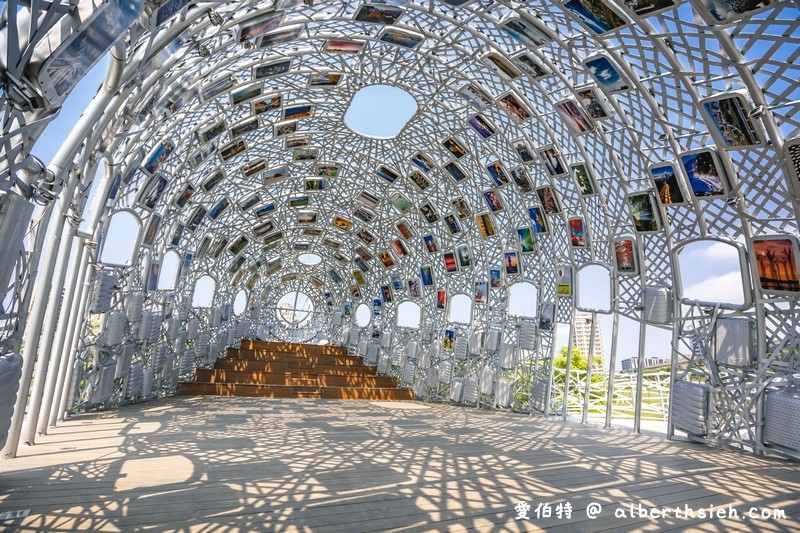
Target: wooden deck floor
211	464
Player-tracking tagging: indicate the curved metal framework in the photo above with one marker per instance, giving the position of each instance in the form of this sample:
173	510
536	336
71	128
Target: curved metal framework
549	136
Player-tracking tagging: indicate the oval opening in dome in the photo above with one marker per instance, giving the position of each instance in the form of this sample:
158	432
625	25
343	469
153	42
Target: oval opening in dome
309	259
380	111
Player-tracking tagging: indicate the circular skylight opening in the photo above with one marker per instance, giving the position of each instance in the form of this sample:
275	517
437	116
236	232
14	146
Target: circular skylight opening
295	309
309	259
380	111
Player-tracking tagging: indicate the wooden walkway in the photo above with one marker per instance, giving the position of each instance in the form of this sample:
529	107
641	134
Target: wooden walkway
211	464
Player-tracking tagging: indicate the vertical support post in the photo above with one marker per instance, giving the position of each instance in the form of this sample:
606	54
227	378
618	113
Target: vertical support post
568	368
590	359
65	329
637	415
612	369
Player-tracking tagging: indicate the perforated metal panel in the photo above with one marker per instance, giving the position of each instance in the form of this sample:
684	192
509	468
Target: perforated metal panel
690	409
782	418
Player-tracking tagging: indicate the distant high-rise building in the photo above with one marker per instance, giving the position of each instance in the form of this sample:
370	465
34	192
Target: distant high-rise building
581	336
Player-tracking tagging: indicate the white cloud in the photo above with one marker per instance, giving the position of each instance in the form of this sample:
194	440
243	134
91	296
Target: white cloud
725	288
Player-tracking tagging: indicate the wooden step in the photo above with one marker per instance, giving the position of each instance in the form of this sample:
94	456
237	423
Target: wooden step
249	365
310	349
285	391
267	355
294	378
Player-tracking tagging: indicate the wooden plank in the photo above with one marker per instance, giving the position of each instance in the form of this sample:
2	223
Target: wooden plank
255	464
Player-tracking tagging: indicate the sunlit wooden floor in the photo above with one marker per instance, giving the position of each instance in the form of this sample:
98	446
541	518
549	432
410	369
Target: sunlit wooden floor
248	464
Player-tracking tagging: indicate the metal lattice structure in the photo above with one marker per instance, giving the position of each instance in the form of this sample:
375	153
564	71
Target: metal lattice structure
549	137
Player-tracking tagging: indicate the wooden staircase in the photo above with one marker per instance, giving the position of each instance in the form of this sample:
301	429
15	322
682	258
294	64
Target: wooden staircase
288	370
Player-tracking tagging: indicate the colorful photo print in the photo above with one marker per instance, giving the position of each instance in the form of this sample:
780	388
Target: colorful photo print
724	11
441	299
791	149
297	141
475	95
606	74
281	129
239	245
776	262
196	218
281	36
386	294
493	200
584	179
274	175
666	184
501	66
305	154
253	167
307	217
429	213
368	199
375	14
399	37
577	233
448	340
455	148
251	29
404	230
530	66
625	258
548	199
246	94
414	288
387	174
363	215
729	121
497	173
649	7
511	262
564	280
523	150
574	117
423	162
214	88
219	246
485	225
367	237
496	278
525	240
249	202
315	185
538	218
213	132
552	161
359	277
461	208
178	234
270	70
232	149
153	273
526	31
426	274
152	230
430	244
152	192
450	262
593	102
452	224
547	314
267	104
455	171
400	203
644	212
464	256
515	108
481	292
298	201
343	46
419	180
597	15
244	127
386	258
297	112
324	79
219	208
376	307
399	248
158	157
705	173
213	179
521	179
263	229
